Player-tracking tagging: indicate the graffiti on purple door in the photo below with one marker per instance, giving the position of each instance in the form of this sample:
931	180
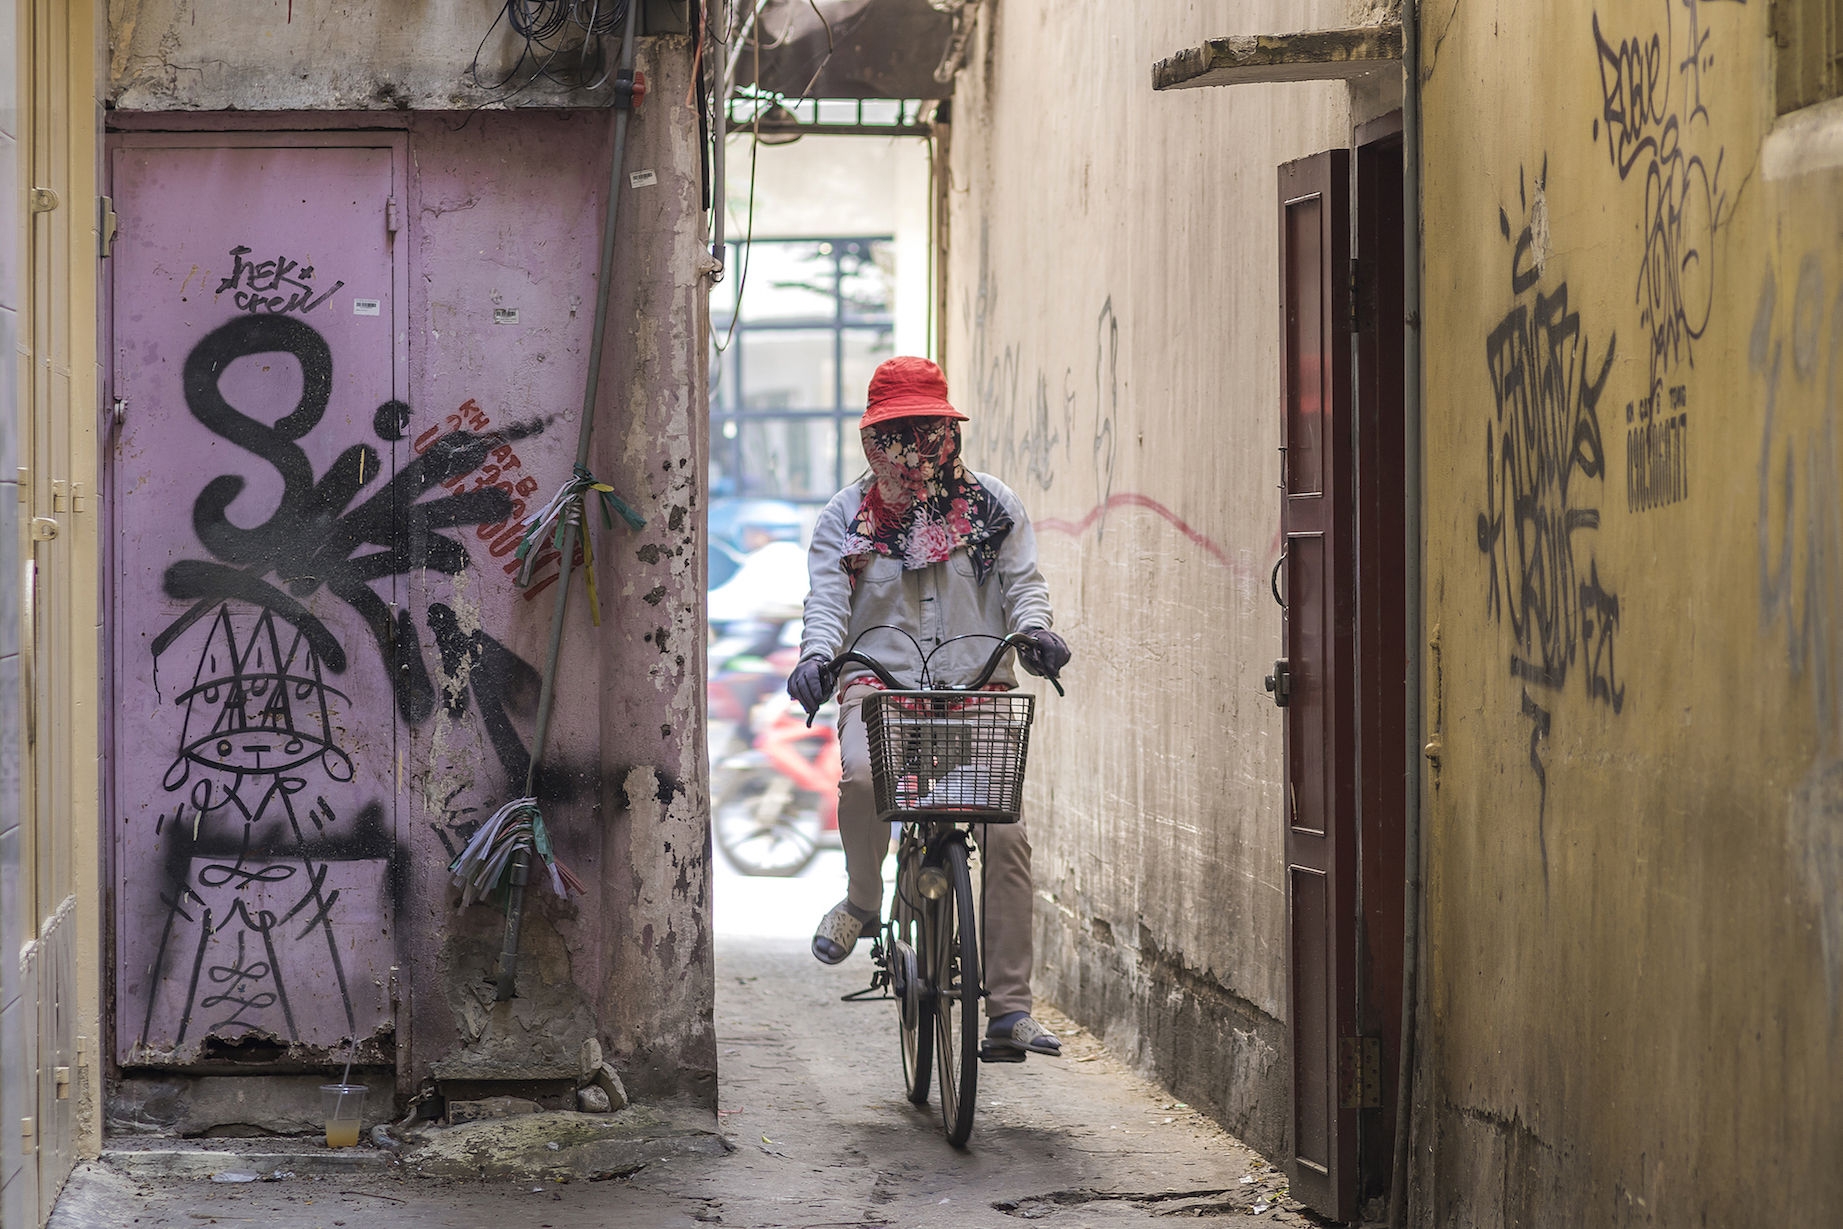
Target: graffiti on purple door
269	511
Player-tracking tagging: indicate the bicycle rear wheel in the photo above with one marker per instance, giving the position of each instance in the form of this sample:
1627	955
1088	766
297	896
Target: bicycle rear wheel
954	950
908	982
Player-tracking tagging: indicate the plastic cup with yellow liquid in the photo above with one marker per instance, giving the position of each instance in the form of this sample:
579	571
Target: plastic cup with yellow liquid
345	1108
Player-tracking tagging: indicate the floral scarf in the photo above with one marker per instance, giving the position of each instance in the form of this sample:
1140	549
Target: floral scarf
921	502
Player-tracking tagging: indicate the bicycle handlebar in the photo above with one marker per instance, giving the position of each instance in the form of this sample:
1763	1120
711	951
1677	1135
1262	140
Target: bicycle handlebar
829	672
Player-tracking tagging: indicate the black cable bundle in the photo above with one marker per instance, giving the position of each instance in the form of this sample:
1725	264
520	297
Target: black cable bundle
553	51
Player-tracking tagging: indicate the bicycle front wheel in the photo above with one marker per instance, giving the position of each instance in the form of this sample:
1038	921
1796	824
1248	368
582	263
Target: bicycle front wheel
954	947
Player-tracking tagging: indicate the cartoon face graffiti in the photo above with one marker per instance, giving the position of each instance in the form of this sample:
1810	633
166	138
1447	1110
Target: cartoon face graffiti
254	709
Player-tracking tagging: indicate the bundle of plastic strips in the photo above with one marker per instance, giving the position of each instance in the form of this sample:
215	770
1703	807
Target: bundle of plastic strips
480	868
564	509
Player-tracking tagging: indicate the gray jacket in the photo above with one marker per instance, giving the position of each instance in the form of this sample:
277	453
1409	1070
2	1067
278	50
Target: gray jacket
932	604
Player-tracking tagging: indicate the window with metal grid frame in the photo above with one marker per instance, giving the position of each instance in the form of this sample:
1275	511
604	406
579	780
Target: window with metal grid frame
788	375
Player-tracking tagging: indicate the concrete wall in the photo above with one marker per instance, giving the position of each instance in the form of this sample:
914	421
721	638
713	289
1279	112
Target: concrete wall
1634	359
1113	328
504	212
320	55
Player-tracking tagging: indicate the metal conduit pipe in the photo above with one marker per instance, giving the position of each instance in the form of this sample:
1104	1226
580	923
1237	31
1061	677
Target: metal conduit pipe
521	861
719	146
1413	559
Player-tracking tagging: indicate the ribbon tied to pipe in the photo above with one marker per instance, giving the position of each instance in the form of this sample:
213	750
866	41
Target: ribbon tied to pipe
567	507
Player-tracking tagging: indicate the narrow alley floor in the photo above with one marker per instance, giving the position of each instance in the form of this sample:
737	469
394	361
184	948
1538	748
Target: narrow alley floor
819	1134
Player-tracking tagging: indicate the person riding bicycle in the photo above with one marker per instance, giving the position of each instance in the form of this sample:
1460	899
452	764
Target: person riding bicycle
920	545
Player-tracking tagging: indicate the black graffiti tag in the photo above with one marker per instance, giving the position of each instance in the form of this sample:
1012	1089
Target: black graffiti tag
1544	446
317	532
1650	108
277	286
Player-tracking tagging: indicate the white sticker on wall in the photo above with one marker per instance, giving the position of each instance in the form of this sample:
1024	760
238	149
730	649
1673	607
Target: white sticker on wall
365	307
505	315
642	179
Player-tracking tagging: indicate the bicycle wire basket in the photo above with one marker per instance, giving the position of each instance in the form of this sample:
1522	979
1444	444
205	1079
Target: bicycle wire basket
948	755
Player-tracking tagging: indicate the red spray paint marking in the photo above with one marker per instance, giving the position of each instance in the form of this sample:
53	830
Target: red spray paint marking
1056	524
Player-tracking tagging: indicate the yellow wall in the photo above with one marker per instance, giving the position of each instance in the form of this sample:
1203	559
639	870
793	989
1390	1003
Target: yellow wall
50	1071
1636	826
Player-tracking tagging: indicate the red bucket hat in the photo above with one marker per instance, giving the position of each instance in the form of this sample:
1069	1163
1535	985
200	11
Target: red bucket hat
907	387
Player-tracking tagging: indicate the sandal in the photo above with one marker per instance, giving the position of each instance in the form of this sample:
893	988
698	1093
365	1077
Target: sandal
1012	1045
839	930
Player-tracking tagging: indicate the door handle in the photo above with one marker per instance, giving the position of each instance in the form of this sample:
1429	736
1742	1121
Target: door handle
1273	581
1280	683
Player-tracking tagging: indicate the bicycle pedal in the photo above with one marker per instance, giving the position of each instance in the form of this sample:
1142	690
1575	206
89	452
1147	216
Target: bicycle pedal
989	1053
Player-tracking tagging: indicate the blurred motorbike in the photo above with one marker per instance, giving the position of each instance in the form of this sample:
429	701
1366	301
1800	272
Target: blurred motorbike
773	781
775	804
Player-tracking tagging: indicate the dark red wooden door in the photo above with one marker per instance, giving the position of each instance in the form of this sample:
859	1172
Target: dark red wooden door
1384	746
1319	639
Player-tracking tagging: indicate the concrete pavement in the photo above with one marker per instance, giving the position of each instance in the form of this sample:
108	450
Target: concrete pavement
813	1131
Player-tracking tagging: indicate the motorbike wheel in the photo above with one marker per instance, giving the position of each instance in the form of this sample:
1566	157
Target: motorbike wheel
766	827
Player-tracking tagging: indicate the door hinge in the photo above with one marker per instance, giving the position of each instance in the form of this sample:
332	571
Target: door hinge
62	1076
1359	1073
57	496
41	200
105	226
27	1128
1355	318
393	217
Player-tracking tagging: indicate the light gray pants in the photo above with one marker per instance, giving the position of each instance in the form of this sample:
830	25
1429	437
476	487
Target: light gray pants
1004	852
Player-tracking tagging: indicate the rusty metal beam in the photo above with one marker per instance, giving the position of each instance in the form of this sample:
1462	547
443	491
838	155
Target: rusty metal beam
1311	55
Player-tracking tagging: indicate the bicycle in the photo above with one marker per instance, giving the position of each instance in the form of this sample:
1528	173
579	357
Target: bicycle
942	760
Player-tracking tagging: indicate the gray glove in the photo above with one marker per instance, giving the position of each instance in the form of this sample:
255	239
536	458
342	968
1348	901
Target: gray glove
1046	654
807	684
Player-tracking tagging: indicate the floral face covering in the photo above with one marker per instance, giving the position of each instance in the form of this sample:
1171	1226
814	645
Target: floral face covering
921	503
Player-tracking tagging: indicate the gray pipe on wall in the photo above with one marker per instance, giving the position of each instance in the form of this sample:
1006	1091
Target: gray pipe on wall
1413	499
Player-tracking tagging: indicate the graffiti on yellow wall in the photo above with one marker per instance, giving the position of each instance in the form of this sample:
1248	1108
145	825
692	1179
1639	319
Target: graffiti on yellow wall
1545	469
1656	127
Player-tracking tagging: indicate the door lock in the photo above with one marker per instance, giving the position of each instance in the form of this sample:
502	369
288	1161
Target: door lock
1280	682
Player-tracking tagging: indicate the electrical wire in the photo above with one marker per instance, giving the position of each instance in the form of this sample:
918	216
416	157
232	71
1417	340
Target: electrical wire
746	246
755	144
553	51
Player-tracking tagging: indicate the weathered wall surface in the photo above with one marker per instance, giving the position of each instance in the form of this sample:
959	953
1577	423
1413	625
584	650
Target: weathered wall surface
321	55
1113	330
502	220
1635	351
507	217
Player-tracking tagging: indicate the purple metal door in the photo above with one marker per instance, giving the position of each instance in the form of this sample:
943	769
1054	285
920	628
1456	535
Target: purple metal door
258	372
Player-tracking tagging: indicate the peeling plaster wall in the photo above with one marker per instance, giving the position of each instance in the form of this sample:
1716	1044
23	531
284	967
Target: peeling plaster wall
1121	369
318	55
1634	357
504	214
632	963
